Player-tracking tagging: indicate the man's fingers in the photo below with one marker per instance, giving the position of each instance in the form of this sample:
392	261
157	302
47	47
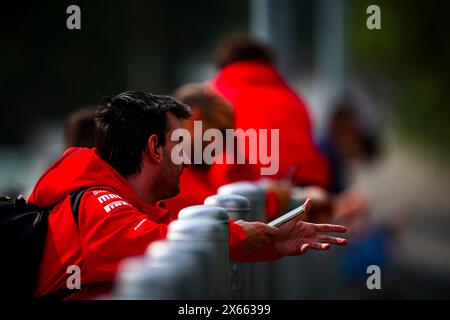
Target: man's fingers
332	240
330	228
312	245
319	246
303	248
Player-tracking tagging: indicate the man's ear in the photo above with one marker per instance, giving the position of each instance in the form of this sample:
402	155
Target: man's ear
154	149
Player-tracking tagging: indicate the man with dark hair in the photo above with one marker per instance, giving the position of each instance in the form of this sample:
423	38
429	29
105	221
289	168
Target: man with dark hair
123	180
124	177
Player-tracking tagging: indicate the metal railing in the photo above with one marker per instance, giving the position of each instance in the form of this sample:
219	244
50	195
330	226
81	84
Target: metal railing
193	261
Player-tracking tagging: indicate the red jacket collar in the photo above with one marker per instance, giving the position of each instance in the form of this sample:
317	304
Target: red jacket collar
80	168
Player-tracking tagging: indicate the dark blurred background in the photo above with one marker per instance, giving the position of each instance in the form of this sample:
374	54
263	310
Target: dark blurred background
399	74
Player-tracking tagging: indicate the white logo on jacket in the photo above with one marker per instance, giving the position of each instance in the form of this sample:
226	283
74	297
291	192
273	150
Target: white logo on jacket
113	205
107	197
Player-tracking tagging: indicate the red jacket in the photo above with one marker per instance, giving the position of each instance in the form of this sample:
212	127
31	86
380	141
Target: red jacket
262	100
113	224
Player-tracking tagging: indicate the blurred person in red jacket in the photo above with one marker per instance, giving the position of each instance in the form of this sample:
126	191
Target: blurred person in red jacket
262	99
213	111
125	177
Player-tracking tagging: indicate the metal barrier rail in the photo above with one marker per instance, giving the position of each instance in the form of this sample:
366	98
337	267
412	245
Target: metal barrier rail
193	261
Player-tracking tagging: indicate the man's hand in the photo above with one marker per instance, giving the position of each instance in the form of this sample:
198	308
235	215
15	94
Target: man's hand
296	236
258	233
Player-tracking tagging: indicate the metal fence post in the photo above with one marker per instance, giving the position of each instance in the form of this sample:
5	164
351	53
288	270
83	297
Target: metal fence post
237	207
259	272
207	232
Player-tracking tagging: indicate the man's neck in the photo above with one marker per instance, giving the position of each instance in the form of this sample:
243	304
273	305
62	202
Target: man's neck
141	187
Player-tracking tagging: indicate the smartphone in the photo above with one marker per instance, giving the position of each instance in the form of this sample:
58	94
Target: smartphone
288	216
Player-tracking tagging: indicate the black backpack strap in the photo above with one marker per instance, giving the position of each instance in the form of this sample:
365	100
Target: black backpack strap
75	199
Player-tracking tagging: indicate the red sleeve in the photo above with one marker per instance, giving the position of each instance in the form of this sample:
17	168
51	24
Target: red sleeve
237	247
111	229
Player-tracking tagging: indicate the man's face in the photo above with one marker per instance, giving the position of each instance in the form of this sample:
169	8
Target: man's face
170	172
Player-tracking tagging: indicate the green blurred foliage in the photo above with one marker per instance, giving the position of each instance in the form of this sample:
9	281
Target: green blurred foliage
412	52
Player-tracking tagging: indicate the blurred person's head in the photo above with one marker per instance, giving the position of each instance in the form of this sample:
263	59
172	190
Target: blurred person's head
208	107
242	48
347	127
133	135
79	129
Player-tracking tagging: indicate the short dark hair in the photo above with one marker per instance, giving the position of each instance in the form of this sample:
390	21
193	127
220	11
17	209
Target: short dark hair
79	130
126	121
240	48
